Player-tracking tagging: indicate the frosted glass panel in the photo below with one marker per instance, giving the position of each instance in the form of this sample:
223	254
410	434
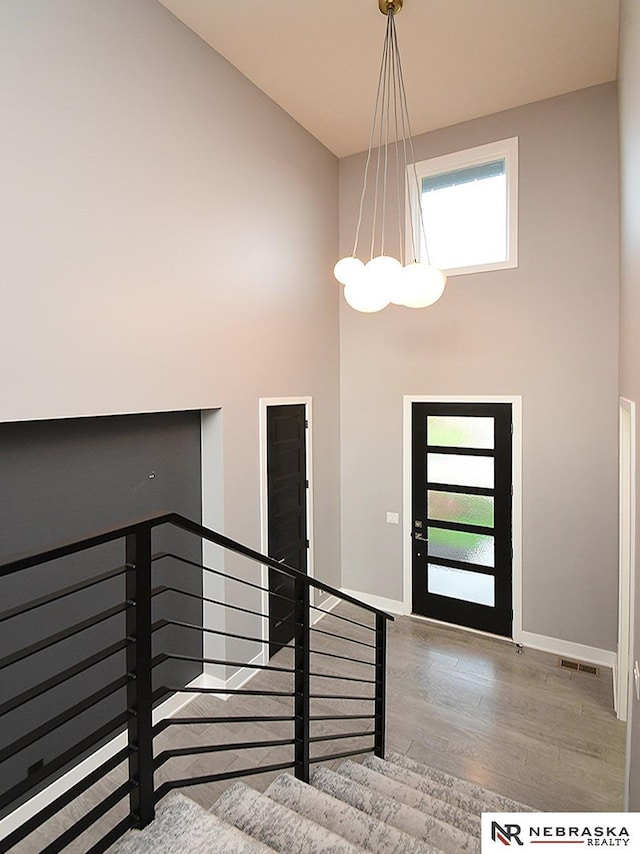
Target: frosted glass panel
460	431
460	545
461	508
460	470
460	584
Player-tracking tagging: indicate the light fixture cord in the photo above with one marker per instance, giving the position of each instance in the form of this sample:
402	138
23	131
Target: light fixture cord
403	119
413	159
383	102
394	89
387	120
368	162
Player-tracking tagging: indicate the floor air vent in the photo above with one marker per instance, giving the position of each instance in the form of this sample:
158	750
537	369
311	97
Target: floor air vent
579	666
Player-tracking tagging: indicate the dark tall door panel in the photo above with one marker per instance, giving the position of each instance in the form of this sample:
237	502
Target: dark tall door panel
461	523
287	513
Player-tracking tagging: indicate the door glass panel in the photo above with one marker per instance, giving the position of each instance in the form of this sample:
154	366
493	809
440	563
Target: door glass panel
461	508
460	470
460	584
455	431
461	545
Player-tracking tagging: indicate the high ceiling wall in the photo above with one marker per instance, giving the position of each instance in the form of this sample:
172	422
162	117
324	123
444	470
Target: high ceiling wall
168	236
547	330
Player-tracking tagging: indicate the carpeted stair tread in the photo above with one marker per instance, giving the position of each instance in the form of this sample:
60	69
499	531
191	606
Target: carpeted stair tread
436	833
491	801
376	779
427	785
385	806
345	820
276	825
181	826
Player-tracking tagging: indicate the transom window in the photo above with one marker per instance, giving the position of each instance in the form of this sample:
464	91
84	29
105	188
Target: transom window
469	206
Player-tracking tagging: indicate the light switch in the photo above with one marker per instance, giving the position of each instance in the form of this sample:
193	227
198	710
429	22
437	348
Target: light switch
393	518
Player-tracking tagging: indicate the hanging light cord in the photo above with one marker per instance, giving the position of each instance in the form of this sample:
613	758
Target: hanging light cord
369	152
407	135
391	96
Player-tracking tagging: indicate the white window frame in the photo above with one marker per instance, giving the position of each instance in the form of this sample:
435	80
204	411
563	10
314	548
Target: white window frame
505	148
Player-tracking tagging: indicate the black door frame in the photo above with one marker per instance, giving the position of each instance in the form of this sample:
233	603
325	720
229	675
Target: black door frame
264	403
516	502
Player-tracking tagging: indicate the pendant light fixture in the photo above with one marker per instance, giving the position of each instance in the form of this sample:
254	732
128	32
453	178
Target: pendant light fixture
383	279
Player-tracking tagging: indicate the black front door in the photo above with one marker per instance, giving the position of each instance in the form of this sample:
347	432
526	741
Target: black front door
461	523
287	513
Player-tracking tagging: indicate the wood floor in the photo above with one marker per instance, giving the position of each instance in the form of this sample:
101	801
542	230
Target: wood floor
466	704
517	724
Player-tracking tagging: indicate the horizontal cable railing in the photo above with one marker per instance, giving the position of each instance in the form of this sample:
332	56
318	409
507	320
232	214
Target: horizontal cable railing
106	645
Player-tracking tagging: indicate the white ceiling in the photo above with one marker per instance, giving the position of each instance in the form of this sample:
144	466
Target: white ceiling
462	58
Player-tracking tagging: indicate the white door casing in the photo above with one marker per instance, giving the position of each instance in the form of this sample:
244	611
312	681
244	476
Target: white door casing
516	504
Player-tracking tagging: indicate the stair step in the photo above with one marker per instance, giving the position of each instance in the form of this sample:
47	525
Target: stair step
385	806
491	801
436	833
421	783
374	777
277	826
347	821
181	825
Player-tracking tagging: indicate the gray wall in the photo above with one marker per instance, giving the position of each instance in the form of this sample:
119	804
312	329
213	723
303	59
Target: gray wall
67	479
629	83
168	237
546	330
63	480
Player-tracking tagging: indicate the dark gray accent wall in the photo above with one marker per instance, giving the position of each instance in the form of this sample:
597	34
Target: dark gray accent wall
62	481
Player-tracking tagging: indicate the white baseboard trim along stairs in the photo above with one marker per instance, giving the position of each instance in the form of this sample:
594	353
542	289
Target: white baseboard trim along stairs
393	805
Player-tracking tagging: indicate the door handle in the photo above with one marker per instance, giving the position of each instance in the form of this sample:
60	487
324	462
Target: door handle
420	538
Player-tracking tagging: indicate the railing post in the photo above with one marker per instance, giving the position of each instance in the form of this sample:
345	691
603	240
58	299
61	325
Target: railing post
381	677
138	556
302	679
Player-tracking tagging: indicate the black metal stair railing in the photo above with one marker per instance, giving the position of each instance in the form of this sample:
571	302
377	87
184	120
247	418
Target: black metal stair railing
111	646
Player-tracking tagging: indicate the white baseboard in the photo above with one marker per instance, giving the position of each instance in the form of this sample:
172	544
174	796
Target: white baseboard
328	605
167	709
392	606
25	811
556	646
589	654
240	678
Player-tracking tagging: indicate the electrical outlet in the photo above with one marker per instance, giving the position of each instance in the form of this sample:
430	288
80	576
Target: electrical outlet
393	518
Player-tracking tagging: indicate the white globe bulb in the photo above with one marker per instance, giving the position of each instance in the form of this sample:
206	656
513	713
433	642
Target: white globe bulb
422	285
348	269
366	295
386	271
383	272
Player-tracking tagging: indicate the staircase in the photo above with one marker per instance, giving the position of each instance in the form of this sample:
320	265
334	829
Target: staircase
379	805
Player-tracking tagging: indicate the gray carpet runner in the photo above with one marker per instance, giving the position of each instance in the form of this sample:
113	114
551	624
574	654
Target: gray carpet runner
386	806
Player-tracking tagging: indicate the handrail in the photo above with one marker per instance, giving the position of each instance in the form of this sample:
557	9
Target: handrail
232	545
135	629
66	549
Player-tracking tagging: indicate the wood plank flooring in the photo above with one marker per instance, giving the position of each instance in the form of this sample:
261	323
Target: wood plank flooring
461	702
517	724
